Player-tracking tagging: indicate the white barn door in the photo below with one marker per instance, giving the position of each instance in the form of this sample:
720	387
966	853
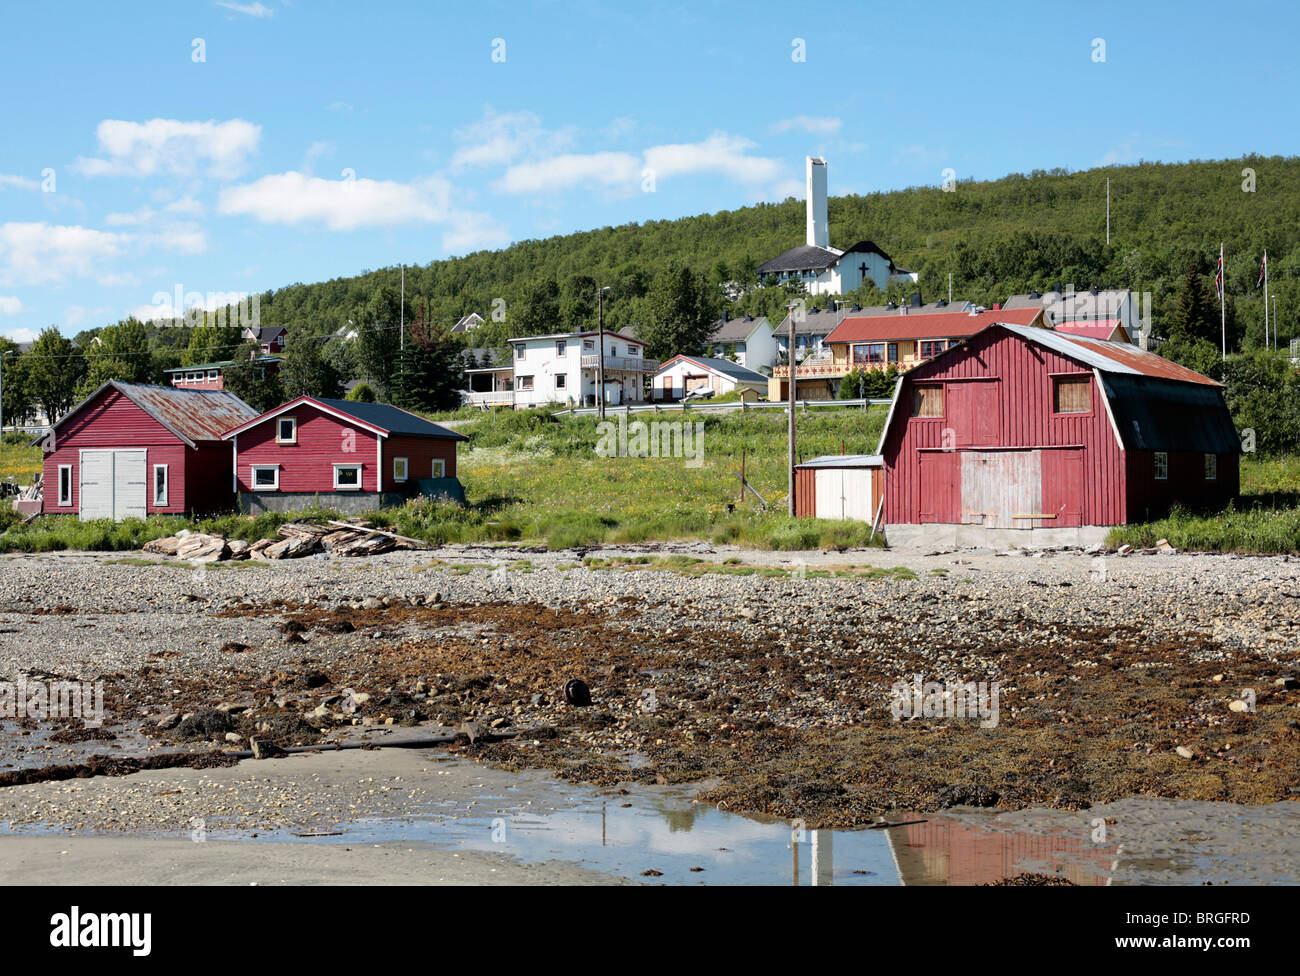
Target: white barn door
112	485
828	493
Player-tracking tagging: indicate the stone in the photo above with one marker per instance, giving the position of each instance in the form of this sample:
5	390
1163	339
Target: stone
168	721
1289	682
238	549
1124	550
203	549
162	547
1163	547
1238	706
234	737
372	603
1185	752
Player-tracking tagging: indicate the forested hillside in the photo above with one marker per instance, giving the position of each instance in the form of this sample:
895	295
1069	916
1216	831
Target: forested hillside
995	238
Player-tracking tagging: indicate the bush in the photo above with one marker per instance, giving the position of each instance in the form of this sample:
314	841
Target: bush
362	393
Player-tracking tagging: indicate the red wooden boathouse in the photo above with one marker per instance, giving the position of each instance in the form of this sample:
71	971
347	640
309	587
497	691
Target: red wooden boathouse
131	450
340	454
1026	428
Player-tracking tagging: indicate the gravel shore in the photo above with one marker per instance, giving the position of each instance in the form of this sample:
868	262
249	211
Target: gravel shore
758	670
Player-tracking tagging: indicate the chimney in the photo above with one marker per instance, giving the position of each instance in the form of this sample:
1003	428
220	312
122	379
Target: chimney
818	225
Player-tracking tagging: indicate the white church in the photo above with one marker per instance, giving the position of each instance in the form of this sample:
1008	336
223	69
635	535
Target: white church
826	270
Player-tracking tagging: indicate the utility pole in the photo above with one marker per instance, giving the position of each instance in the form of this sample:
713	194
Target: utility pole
403	313
792	307
949	287
600	351
2	389
1108	210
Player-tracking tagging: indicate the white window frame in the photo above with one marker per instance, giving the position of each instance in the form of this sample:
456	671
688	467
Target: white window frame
1211	467
519	351
252	477
1160	463
360	479
405	466
438	468
286	440
65	500
161	500
561	348
561	381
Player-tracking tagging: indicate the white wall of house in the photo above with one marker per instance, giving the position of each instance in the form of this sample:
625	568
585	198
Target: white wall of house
549	370
681	377
756	352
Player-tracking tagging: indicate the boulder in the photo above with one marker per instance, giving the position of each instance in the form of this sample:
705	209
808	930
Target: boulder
163	547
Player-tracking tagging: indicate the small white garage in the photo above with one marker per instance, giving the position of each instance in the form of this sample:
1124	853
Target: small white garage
113	484
839	486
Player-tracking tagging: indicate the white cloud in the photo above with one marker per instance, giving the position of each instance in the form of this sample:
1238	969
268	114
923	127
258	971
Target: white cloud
820	126
75	316
251	9
10	305
789	188
162	229
720	153
294	198
500	138
21	335
220	149
560	172
18	182
40	253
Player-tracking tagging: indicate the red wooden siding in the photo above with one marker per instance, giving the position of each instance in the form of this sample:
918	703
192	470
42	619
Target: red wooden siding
419	453
1149	498
198	479
998	395
308	466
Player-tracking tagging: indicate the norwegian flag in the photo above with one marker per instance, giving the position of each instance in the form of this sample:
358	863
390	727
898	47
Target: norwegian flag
1263	271
1218	277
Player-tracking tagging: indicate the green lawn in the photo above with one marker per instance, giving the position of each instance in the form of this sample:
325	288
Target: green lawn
18	461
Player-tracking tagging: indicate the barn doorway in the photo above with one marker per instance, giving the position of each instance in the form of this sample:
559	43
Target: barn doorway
112	485
1002	489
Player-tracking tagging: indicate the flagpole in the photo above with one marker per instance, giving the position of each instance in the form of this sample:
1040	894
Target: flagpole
1266	301
1223	303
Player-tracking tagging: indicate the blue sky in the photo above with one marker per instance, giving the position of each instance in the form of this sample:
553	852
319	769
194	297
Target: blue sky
320	139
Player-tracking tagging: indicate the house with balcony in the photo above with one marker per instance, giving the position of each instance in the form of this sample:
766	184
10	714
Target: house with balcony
564	368
903	341
212	376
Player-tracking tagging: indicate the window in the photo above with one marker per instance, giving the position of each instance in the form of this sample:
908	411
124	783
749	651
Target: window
439	468
560	380
519	352
613	350
212	374
1072	394
634	351
927	401
868	353
1162	466
893	352
160	485
588	345
399	469
347	477
932	347
524	383
65	485
560	347
286	430
266	477
1211	467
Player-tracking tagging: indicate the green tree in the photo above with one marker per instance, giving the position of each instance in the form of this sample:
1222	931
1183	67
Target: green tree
362	393
211	344
430	373
539	313
306	371
679	314
54	369
378	325
251	381
1262	391
118	352
17	392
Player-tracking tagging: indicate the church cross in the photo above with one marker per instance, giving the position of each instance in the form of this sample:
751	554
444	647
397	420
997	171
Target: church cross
863	268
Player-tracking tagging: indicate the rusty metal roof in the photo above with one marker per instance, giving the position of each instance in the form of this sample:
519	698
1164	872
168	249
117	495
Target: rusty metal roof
1110	357
192	415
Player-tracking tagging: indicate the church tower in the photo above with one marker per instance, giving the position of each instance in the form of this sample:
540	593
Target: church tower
819	232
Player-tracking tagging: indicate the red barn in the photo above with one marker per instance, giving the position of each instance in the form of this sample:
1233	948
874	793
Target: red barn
130	450
1023	428
341	454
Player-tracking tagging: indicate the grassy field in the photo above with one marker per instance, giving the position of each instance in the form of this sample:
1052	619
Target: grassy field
533	478
17	460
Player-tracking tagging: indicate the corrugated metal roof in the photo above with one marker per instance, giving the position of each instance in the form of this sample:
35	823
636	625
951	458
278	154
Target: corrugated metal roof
1110	357
192	415
196	415
844	461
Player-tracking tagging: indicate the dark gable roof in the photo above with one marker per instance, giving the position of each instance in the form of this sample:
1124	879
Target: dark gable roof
390	418
805	257
735	330
727	368
1157	414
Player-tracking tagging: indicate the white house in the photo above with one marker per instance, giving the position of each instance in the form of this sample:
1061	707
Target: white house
748	341
821	268
686	374
468	323
562	368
